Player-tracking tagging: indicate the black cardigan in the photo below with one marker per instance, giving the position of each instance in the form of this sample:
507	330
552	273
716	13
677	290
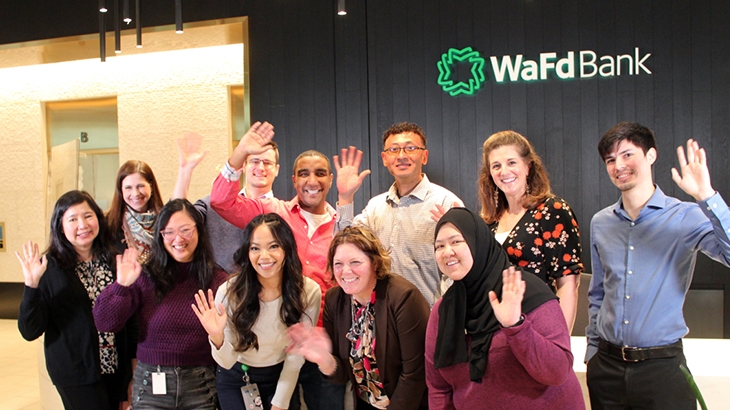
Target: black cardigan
60	308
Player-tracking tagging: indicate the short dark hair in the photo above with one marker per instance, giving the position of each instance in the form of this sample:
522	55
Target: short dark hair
634	132
402	127
311	153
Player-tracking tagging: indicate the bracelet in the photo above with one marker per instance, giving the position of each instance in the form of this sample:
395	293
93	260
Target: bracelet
519	322
334	367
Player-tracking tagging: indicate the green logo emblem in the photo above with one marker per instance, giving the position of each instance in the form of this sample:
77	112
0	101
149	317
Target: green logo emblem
447	67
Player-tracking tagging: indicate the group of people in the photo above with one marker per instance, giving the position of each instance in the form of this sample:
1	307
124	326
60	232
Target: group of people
244	300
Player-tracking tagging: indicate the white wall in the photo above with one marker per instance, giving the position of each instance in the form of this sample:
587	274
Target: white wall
160	95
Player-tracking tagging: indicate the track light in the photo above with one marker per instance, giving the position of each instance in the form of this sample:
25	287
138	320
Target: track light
178	17
102	38
138	23
102	6
125	12
117	29
341	7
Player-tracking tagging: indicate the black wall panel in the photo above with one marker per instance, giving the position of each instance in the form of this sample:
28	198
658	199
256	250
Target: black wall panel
329	81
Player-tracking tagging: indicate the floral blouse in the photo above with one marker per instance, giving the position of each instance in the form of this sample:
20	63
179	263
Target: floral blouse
546	241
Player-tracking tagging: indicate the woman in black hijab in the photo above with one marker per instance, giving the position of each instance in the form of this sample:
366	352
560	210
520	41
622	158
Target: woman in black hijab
488	352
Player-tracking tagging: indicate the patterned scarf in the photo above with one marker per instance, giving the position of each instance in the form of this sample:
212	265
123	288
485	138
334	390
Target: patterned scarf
362	354
138	229
95	275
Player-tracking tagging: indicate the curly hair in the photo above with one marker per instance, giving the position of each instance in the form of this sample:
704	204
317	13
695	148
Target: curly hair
365	240
243	293
537	177
61	250
161	267
115	215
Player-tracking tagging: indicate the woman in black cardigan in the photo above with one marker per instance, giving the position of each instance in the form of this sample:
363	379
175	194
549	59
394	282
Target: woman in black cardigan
88	368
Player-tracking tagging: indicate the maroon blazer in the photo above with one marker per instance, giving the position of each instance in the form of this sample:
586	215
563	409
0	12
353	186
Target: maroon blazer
401	318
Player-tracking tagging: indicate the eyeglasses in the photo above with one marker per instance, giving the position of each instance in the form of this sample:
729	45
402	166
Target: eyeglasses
254	162
408	149
185	232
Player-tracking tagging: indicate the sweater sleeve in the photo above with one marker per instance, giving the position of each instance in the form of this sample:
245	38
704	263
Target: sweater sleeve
236	209
410	312
33	315
542	345
115	305
440	392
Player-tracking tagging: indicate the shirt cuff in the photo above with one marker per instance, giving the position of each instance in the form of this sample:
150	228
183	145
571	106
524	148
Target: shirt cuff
345	212
229	173
713	205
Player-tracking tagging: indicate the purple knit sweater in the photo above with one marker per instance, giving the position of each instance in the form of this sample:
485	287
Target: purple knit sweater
169	332
530	367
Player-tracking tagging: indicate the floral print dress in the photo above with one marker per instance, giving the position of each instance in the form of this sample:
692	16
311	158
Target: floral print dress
546	241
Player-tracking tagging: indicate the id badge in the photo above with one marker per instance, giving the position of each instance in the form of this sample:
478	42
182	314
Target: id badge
159	383
251	397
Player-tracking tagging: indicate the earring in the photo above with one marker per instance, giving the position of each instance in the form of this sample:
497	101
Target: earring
527	190
496	197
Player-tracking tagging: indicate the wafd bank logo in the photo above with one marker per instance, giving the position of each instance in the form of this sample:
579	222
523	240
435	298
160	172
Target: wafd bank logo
583	64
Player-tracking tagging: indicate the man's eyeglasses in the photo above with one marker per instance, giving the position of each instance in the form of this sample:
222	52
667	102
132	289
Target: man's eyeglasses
254	162
185	232
408	149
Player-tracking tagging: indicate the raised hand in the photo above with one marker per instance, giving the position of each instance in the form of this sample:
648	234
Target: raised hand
439	211
128	268
213	319
695	176
253	142
509	310
312	343
189	150
33	265
348	179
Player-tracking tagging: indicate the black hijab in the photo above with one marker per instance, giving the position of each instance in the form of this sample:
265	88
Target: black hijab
465	306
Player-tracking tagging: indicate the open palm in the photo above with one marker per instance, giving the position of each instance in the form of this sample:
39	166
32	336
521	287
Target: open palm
213	319
33	266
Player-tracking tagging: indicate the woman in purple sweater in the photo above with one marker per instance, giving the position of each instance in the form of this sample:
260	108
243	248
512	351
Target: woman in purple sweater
175	368
487	353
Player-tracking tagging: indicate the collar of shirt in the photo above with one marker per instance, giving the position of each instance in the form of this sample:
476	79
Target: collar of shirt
420	191
657	201
294	207
269	194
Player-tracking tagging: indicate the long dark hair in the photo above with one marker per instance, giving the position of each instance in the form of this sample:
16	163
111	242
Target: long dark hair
245	287
115	215
61	250
161	267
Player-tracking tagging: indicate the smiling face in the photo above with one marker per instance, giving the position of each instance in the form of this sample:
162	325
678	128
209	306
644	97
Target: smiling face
136	191
312	180
266	254
80	227
509	171
405	167
354	272
452	253
261	176
180	237
628	166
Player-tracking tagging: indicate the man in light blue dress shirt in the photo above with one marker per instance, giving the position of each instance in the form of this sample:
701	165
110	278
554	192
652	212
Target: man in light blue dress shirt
643	251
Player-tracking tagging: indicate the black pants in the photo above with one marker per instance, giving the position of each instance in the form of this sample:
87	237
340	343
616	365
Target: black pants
649	384
229	383
88	396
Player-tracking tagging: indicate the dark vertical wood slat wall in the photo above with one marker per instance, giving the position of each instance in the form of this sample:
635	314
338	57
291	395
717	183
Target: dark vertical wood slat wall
327	81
